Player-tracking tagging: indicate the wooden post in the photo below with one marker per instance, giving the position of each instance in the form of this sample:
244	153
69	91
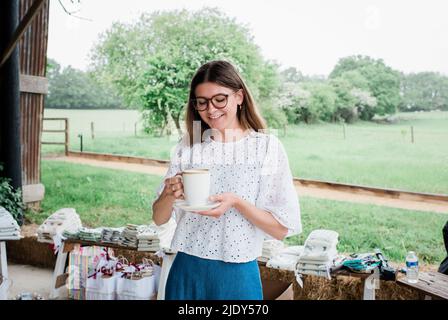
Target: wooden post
92	130
135	129
20	29
412	134
343	129
67	136
80	141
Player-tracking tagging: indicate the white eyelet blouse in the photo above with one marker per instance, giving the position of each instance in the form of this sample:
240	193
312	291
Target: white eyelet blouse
255	168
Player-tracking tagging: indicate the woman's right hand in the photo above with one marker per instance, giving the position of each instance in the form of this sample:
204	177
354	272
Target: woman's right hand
174	187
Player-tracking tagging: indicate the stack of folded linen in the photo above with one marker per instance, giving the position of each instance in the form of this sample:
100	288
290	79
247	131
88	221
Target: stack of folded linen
286	259
9	229
70	235
128	237
63	219
270	249
148	239
155	238
111	235
319	254
87	234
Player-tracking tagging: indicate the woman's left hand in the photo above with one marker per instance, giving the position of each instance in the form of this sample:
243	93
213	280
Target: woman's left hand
227	200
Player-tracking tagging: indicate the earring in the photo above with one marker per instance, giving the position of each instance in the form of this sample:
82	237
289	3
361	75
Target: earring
239	106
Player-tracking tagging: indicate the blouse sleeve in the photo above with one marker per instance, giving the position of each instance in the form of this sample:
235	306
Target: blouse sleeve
175	167
277	193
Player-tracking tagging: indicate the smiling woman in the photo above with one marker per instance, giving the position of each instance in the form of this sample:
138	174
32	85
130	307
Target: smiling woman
220	100
250	180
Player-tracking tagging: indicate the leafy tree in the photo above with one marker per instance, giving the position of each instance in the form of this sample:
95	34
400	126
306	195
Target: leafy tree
424	91
152	61
162	92
365	103
383	81
320	104
291	75
292	100
274	116
345	103
72	88
355	79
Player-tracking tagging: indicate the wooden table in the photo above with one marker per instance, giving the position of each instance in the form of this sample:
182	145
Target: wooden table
370	281
430	285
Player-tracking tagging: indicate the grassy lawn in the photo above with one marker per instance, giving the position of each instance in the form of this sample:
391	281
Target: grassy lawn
380	155
105	197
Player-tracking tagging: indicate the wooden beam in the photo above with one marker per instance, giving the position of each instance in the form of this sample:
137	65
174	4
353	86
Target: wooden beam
33	84
441	199
26	21
119	158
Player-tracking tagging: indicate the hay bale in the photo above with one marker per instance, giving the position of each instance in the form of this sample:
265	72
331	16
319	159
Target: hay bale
29	251
348	288
340	287
137	256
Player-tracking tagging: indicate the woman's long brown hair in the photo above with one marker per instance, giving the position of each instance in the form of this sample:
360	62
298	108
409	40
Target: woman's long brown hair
224	74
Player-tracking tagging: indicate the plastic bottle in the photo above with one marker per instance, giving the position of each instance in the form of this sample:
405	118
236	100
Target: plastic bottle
412	267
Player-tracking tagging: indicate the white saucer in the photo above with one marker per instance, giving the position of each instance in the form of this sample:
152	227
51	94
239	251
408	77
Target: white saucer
182	204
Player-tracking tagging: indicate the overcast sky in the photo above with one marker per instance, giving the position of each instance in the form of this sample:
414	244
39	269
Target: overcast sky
410	36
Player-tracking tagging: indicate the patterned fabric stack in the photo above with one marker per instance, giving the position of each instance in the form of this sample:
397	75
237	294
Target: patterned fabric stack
320	253
71	235
128	237
63	219
87	234
111	235
148	239
9	229
155	238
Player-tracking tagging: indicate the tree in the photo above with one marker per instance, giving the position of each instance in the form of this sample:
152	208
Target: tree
161	90
292	100
291	75
320	104
365	103
72	88
383	82
424	91
345	103
152	61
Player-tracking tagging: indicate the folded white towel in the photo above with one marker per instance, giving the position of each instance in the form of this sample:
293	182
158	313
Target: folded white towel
326	236
293	250
318	256
283	261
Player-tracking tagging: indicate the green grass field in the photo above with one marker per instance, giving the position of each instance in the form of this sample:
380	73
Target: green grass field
371	154
105	197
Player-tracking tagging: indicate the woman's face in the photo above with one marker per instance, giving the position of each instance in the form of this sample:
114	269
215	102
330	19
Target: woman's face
216	118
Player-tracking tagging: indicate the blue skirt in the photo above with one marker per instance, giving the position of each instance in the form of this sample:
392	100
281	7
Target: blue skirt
194	278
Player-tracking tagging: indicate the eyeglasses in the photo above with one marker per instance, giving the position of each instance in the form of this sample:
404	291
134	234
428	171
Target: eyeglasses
219	101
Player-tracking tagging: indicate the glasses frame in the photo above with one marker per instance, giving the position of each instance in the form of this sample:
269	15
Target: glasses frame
210	100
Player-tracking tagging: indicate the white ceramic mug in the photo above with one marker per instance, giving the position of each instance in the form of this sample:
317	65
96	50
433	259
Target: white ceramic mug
196	186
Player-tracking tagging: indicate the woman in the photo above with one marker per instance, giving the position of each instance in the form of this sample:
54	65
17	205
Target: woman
251	180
